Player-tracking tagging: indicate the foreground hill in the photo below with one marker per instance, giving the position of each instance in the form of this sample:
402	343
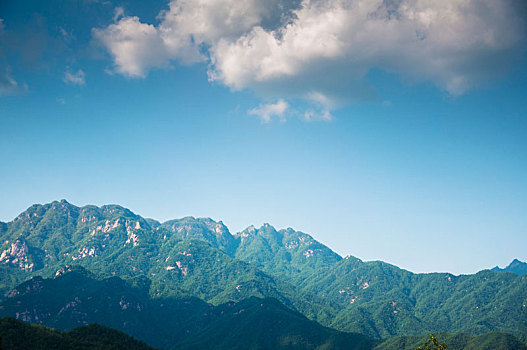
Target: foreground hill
458	341
201	258
17	335
75	297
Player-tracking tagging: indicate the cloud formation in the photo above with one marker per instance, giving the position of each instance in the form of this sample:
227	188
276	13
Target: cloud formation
266	112
321	50
72	78
185	31
8	85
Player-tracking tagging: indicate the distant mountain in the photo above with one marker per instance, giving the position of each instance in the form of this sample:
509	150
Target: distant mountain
516	266
17	335
201	258
75	297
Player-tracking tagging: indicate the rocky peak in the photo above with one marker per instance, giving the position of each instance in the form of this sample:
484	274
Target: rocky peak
17	255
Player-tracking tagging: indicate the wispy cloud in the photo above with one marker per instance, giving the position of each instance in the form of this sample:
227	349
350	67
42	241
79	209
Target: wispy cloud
8	85
312	115
266	112
118	13
78	78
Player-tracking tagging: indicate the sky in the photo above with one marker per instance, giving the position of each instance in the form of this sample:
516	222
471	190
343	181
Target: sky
388	130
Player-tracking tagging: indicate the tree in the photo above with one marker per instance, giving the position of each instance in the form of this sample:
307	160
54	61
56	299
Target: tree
432	344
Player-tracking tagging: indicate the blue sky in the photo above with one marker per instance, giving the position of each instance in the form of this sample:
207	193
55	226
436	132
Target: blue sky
380	145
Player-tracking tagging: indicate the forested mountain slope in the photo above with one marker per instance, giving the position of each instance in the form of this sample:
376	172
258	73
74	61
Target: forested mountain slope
113	241
75	297
457	341
201	258
17	335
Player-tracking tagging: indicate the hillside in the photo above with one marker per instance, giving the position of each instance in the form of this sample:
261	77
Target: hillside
76	297
382	300
266	324
201	258
458	341
180	257
17	335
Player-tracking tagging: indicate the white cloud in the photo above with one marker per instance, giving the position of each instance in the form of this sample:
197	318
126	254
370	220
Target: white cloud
209	20
135	46
183	29
321	50
78	78
455	44
266	112
311	115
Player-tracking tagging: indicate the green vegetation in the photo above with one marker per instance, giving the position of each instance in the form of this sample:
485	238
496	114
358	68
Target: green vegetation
17	335
266	324
432	344
457	341
112	241
382	300
76	297
200	258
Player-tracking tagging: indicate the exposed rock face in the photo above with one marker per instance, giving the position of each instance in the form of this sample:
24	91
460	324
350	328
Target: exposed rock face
18	255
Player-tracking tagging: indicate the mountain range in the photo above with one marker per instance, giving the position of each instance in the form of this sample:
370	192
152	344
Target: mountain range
201	260
77	299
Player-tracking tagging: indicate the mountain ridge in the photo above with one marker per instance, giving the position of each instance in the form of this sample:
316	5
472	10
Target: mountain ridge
201	258
516	266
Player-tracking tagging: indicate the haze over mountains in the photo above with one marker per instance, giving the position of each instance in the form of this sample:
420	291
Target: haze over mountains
136	272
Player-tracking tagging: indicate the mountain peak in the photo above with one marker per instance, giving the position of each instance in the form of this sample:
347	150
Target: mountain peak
204	229
516	266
